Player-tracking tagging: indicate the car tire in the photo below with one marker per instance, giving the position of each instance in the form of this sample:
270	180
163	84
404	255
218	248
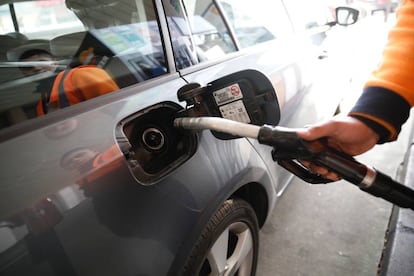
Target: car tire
229	245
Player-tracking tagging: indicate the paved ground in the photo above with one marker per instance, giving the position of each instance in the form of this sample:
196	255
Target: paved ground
333	229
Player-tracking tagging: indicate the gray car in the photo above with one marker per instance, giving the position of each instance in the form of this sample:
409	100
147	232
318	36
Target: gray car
95	179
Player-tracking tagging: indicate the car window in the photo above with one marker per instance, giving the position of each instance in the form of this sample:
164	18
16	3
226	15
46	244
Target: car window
56	53
253	24
203	37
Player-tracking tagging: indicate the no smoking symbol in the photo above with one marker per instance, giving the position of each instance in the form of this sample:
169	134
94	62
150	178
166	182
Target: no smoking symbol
235	91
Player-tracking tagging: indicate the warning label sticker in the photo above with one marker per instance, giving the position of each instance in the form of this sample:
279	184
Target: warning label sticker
235	111
228	94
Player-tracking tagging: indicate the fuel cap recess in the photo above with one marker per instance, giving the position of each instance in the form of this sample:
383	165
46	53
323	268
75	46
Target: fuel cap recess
153	139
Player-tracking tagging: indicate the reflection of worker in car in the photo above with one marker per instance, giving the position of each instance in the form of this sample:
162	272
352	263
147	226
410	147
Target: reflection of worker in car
62	129
91	164
36	55
40	221
69	87
77	85
78	159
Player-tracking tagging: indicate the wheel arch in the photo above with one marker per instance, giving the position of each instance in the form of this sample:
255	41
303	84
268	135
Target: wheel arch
253	185
255	194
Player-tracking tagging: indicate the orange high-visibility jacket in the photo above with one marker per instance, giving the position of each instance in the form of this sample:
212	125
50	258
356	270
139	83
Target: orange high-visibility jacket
388	95
79	84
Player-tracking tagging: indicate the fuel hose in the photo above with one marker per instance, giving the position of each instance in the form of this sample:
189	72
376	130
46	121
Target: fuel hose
288	145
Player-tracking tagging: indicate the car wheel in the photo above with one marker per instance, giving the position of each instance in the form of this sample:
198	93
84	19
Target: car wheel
229	244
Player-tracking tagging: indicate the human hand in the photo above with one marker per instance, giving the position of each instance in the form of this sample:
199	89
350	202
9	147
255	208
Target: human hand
346	134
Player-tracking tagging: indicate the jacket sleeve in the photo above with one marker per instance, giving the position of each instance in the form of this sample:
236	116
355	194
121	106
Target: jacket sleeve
388	94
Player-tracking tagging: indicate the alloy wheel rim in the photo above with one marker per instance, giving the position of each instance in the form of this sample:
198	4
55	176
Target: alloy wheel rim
232	252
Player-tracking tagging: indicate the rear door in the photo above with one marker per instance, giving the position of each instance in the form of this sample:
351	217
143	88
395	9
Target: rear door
52	221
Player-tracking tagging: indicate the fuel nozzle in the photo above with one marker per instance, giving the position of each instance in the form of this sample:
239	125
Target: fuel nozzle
289	149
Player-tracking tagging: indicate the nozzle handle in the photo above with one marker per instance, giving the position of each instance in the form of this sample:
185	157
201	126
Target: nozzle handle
288	146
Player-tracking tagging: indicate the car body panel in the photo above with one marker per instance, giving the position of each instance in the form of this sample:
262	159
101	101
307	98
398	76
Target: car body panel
104	220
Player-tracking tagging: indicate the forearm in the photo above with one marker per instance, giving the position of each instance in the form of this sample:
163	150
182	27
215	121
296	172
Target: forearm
389	93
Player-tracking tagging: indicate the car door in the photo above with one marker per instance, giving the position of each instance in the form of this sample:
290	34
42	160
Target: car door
75	199
262	37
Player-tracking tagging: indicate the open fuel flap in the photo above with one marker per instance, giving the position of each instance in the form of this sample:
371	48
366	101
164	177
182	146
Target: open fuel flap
246	96
152	145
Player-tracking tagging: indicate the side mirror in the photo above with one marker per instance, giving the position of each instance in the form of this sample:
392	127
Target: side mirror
246	96
346	16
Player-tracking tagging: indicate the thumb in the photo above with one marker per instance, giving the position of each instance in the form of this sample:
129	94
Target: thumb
315	132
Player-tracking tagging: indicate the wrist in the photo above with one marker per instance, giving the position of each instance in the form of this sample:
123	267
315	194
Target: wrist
373	109
381	133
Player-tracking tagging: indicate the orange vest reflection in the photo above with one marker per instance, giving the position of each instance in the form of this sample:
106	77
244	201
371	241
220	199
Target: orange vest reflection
103	164
76	85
